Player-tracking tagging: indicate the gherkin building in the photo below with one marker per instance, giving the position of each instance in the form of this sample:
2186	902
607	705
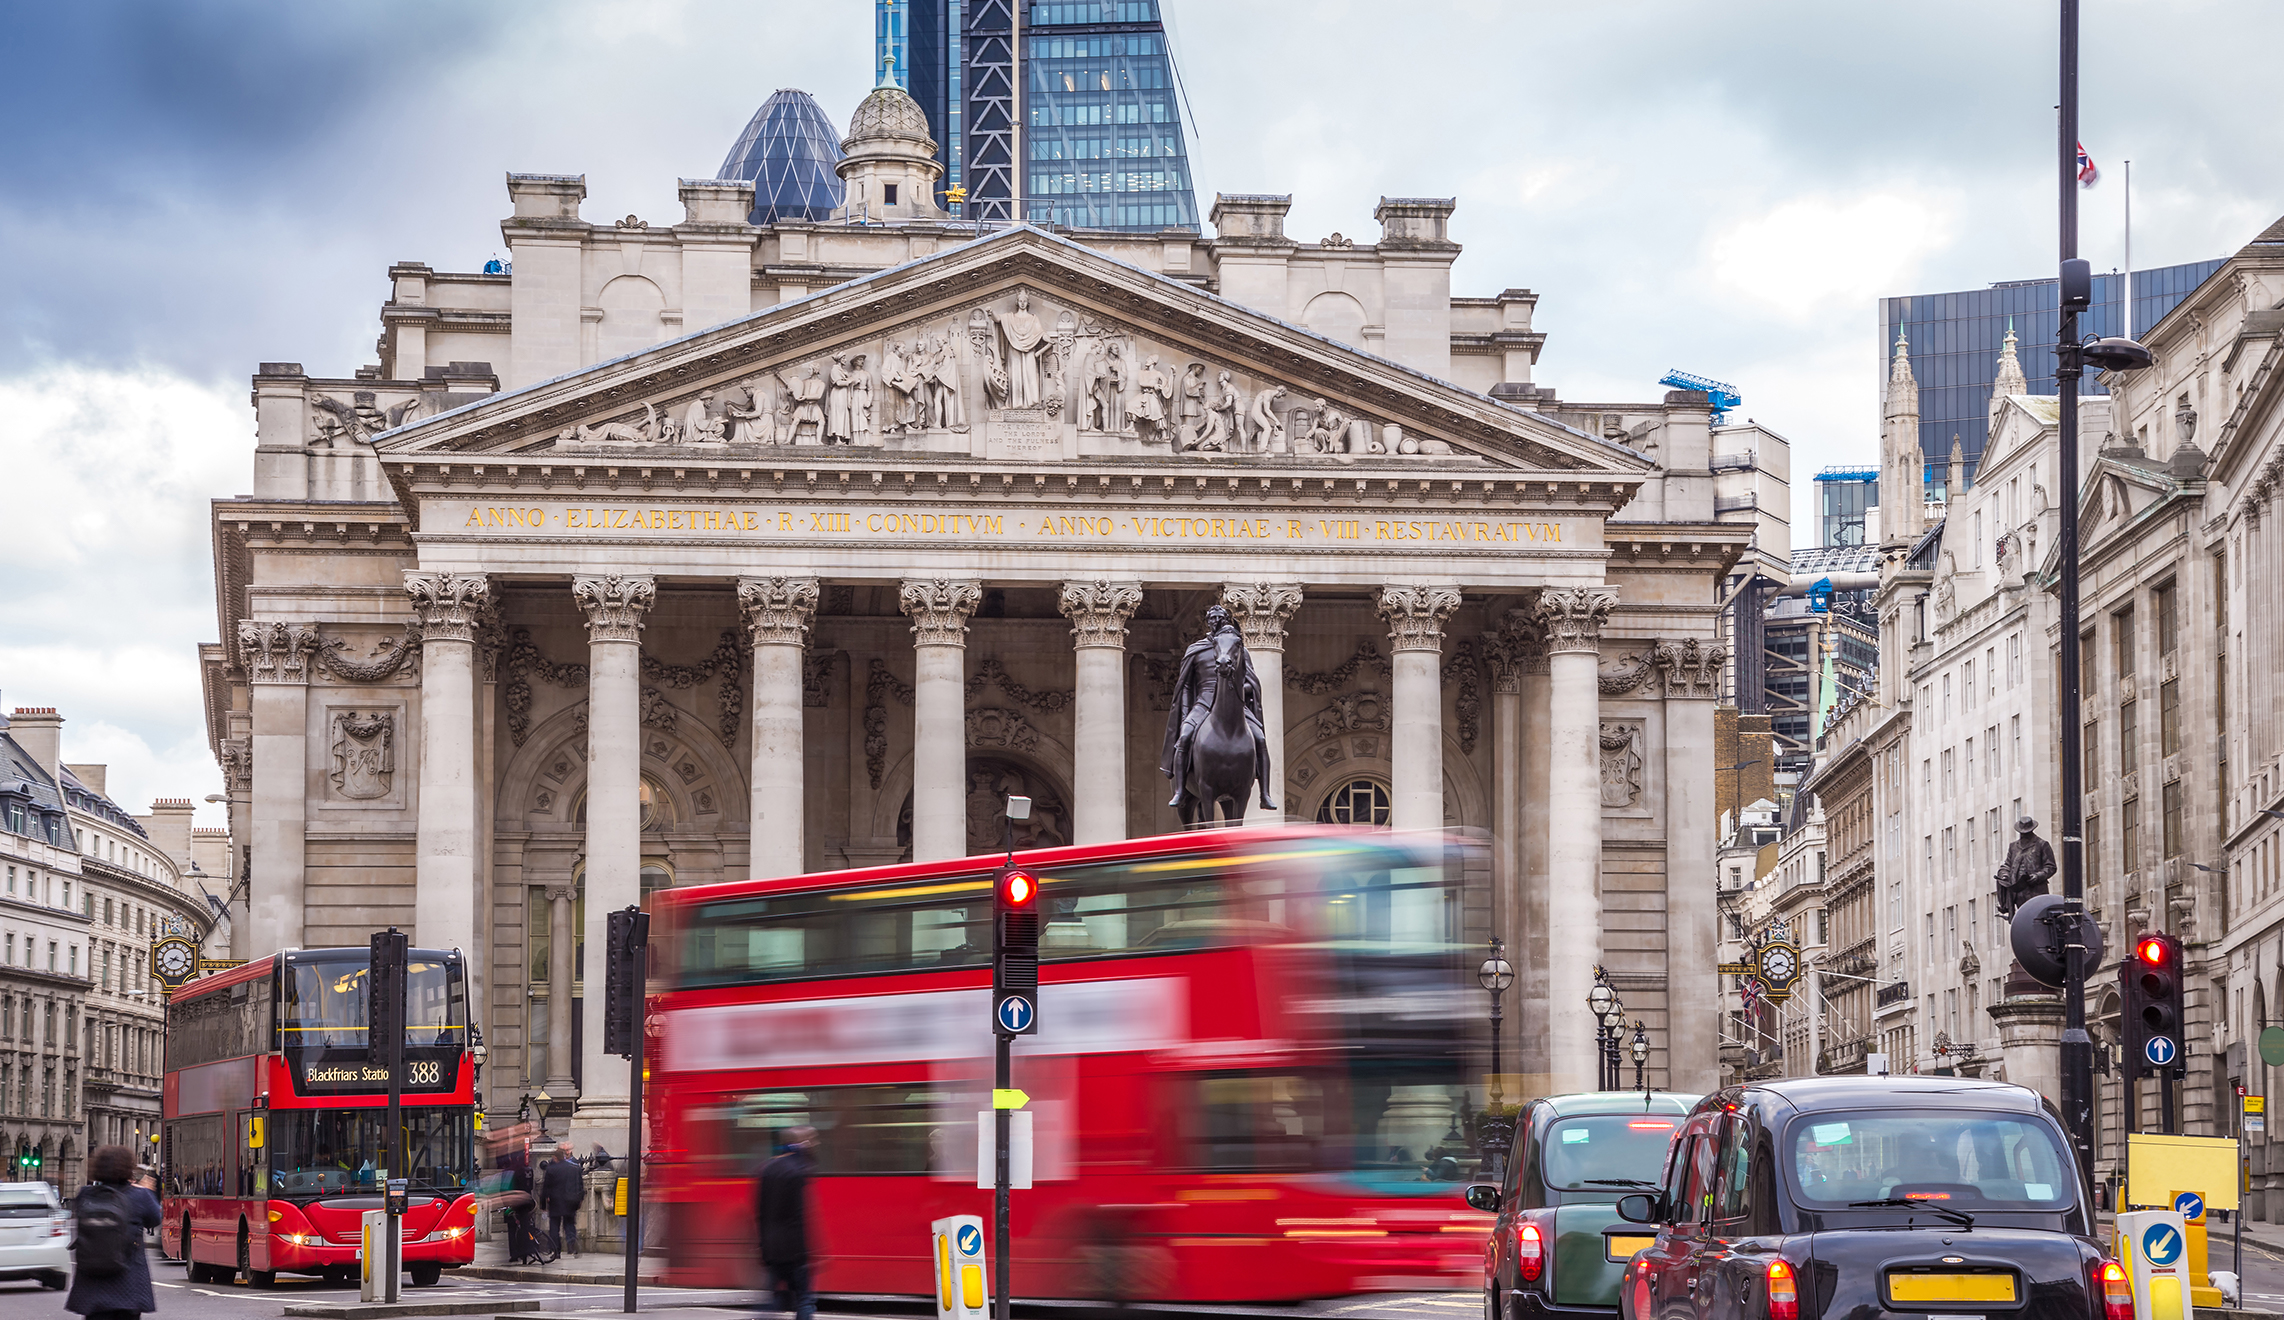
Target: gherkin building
789	150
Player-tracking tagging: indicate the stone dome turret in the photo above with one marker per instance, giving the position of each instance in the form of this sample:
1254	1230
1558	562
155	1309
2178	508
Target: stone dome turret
889	112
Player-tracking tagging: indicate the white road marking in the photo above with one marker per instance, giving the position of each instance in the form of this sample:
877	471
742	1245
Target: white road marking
166	1285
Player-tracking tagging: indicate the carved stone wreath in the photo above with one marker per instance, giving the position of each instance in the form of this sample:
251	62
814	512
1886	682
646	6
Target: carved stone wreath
390	657
1367	657
992	671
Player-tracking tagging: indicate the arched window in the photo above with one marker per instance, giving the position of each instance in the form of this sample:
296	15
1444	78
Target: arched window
1357	802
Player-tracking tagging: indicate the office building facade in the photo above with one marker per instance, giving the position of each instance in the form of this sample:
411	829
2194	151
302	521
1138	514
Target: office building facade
1955	341
1086	133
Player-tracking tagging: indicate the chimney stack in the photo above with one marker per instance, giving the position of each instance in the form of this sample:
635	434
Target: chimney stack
169	828
39	731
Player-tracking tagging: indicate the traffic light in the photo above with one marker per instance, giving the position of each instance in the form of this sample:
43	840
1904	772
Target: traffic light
1015	952
623	974
384	999
2152	1016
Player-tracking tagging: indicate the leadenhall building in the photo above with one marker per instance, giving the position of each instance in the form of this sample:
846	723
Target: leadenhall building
678	553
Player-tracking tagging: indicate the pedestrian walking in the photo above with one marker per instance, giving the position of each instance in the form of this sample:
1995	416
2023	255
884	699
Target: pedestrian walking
781	1213
561	1188
112	1275
516	1202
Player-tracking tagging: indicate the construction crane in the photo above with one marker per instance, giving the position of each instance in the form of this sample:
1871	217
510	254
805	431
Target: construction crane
1722	393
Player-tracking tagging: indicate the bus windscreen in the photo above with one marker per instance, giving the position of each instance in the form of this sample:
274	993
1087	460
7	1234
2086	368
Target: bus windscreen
324	1152
325	1005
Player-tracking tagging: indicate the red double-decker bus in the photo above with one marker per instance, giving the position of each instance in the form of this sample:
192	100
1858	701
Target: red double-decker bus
1250	1080
276	1118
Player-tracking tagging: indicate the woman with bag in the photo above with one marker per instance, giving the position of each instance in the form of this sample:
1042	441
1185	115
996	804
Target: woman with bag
112	1280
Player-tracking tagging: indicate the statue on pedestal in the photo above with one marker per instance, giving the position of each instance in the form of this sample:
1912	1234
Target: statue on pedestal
1216	748
2029	865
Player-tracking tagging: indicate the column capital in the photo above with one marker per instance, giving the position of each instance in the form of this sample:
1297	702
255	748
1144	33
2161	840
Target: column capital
272	652
1690	670
778	610
1573	617
1513	649
562	894
1415	615
448	607
615	605
939	608
1098	611
1262	609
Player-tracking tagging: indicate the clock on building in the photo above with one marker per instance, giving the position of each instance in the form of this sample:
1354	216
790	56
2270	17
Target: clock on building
1779	968
175	961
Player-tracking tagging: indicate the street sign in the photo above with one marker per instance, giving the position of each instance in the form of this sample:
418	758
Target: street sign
2189	1205
1009	1098
1015	1014
2158	1050
2272	1046
969	1240
2161	1244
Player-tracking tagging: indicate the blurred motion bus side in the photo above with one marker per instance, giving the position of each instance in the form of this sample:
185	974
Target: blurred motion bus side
1249	1079
276	1118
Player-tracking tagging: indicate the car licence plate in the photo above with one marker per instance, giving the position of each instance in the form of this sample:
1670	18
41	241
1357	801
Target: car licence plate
1622	1246
1950	1288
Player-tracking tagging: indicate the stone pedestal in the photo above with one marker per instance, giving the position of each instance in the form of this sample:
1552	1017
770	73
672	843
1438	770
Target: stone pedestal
2030	1042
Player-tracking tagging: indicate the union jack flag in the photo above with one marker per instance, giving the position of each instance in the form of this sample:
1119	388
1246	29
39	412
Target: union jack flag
2087	174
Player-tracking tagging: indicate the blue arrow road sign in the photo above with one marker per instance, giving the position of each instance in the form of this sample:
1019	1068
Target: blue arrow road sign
970	1240
2189	1205
2159	1050
1015	1013
2161	1245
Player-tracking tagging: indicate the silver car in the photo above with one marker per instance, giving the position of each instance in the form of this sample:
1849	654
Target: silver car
35	1234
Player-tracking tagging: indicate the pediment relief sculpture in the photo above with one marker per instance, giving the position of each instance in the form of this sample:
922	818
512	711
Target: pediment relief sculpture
1046	381
357	419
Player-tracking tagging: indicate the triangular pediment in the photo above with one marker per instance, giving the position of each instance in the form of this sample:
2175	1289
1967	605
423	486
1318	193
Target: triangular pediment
1020	347
2114	494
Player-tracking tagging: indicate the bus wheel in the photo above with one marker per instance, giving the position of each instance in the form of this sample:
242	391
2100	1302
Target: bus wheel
425	1273
184	1247
262	1278
245	1255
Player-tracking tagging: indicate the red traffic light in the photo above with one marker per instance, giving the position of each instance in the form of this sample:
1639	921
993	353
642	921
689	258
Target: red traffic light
1018	888
2152	951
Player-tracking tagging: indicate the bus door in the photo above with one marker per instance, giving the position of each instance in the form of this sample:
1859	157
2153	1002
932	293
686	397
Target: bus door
253	1153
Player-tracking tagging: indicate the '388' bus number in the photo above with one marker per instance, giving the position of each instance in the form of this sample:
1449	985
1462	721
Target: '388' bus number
428	1072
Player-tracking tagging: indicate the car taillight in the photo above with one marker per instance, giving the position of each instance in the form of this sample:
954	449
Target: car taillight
58	1227
2117	1292
1784	1293
1530	1253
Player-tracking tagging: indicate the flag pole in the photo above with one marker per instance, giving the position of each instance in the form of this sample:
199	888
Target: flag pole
2128	331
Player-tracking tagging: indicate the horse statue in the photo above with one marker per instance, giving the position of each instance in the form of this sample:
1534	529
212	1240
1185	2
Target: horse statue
1216	749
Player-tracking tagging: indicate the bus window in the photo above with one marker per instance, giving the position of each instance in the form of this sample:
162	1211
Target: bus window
1256	1121
320	1152
325	1004
860	1130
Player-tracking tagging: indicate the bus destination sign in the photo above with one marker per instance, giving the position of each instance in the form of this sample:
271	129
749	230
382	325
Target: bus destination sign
358	1075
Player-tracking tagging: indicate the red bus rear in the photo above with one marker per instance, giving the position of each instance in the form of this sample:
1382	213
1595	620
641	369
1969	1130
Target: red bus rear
276	1117
1249	1078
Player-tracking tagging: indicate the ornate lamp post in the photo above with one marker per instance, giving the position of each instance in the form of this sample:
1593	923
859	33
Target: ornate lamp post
1496	1135
1641	1053
1609	1015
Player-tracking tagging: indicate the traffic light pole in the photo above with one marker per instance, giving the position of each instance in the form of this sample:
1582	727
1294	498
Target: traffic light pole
2077	1047
1003	1123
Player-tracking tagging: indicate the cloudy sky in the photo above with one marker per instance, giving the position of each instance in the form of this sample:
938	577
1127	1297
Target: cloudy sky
187	190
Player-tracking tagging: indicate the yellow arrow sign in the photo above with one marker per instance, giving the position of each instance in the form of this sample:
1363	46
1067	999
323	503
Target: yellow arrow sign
1009	1098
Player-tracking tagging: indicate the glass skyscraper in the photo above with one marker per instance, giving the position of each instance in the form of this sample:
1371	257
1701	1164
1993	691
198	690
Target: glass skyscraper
1101	126
789	149
1955	339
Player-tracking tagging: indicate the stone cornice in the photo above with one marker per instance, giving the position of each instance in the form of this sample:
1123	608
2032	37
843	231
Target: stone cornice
1098	611
939	608
614	605
779	611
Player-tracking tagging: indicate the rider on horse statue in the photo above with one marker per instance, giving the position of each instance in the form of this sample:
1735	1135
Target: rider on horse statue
1193	700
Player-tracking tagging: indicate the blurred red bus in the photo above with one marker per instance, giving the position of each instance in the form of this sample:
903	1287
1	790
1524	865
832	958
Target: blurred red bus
275	1118
1248	1080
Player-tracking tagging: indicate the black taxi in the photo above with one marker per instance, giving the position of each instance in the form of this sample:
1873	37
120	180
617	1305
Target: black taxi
1916	1198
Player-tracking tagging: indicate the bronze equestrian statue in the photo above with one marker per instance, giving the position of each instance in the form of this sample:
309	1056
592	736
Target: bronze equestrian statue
1216	750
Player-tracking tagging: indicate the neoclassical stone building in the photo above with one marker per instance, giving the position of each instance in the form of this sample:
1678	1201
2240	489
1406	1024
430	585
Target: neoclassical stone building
681	554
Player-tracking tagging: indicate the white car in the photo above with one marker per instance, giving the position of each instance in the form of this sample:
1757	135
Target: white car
35	1234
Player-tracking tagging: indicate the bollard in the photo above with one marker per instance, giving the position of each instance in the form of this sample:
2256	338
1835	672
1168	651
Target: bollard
2153	1245
956	1244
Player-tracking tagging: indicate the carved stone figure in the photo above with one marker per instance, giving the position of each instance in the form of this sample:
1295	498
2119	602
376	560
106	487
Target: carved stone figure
1153	402
1105	409
848	404
945	412
1022	343
1224	417
756	423
1621	764
1268	428
360	419
364	754
699	424
1193	407
1330	431
1215	750
2029	865
808	397
900	371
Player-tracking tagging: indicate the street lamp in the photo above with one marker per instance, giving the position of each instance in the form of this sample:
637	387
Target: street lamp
1641	1052
1609	1016
1496	1135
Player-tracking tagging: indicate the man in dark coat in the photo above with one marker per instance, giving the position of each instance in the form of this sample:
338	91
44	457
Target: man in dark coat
518	1203
127	1294
781	1212
561	1189
1191	703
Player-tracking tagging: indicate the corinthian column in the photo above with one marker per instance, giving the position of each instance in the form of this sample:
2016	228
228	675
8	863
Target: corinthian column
445	896
1573	617
1692	919
1098	612
1262	609
561	941
778	612
614	606
939	609
1415	618
276	658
